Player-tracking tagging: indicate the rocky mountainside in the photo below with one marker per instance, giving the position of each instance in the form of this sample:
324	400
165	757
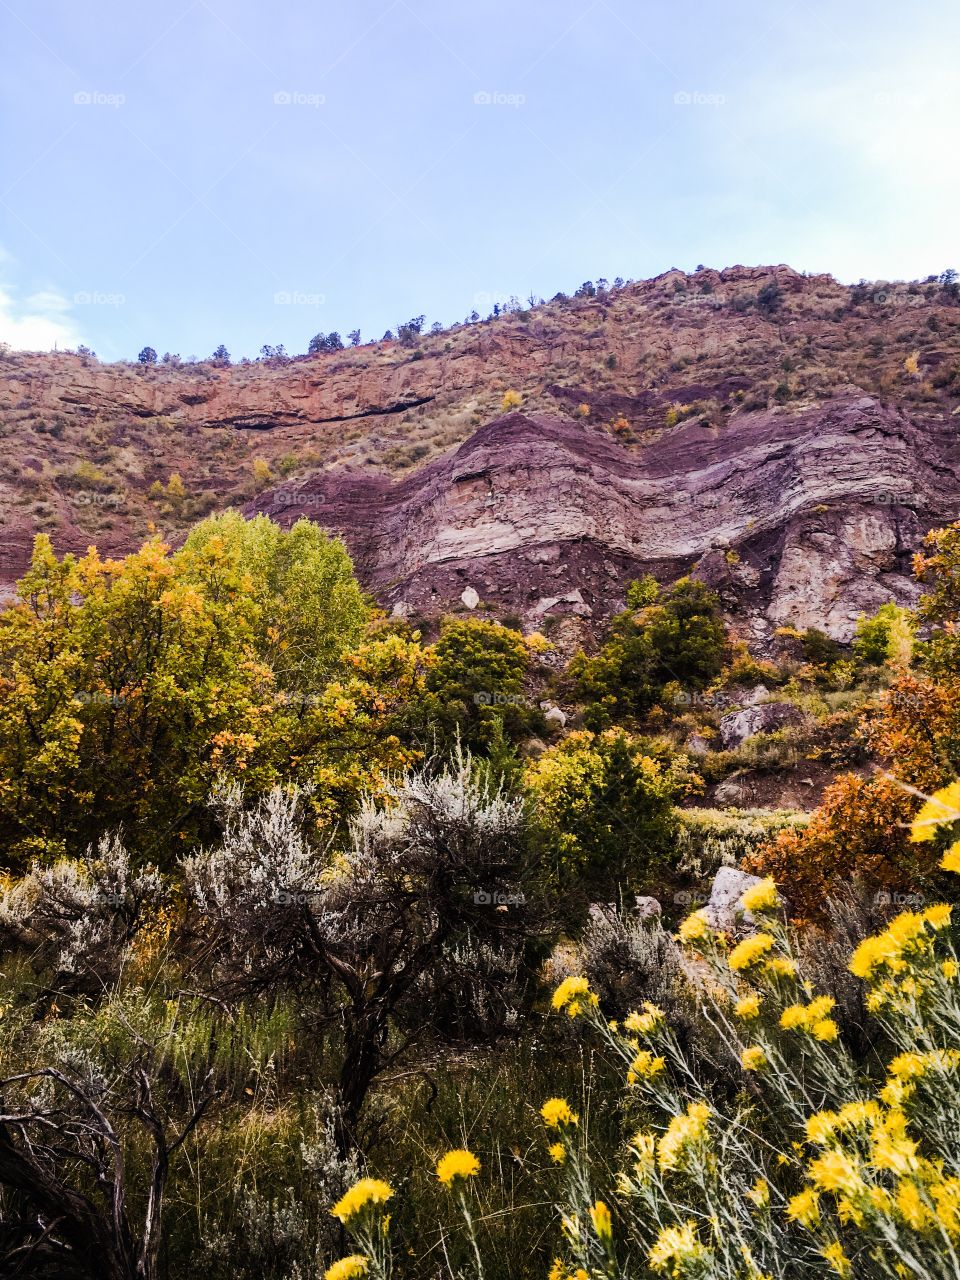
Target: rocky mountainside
788	438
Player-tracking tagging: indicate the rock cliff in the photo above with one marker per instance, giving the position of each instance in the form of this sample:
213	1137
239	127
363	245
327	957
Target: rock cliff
785	437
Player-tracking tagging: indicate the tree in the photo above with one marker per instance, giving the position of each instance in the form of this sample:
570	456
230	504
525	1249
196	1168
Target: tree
353	337
130	686
221	356
357	932
677	637
321	342
887	637
474	680
408	333
147	356
604	806
586	290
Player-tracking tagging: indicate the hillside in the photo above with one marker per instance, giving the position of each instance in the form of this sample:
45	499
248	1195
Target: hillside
789	437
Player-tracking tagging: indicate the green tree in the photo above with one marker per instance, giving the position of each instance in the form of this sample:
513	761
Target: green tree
677	636
475	682
604	807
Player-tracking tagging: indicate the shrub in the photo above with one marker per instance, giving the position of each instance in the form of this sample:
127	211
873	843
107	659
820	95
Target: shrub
604	807
678	637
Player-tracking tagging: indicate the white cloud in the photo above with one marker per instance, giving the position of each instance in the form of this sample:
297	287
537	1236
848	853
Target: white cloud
39	322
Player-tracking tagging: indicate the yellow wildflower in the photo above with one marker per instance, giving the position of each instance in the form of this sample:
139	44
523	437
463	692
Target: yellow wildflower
838	1260
348	1268
759	1193
695	928
781	967
645	1067
762	897
825	1030
753	1058
912	1207
750	951
457	1164
795	1015
747	1008
805	1208
676	1247
573	993
950	969
646	1022
366	1192
602	1223
558	1152
951	859
644	1147
835	1171
557	1114
946	1196
682	1131
937	916
940	808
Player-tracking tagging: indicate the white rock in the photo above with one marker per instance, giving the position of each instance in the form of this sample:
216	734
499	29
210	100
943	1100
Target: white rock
725	910
470	598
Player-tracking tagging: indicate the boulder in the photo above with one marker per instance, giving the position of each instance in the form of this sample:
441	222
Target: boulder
738	726
646	908
728	792
724	910
470	597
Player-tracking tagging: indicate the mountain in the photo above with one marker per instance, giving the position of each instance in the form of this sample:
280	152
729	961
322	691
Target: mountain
788	438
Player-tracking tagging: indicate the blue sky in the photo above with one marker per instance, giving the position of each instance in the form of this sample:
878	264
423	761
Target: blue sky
212	171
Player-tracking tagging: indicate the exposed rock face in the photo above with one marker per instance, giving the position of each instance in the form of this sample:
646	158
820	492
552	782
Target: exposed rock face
738	726
649	442
787	514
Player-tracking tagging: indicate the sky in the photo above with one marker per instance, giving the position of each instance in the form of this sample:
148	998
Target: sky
231	171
